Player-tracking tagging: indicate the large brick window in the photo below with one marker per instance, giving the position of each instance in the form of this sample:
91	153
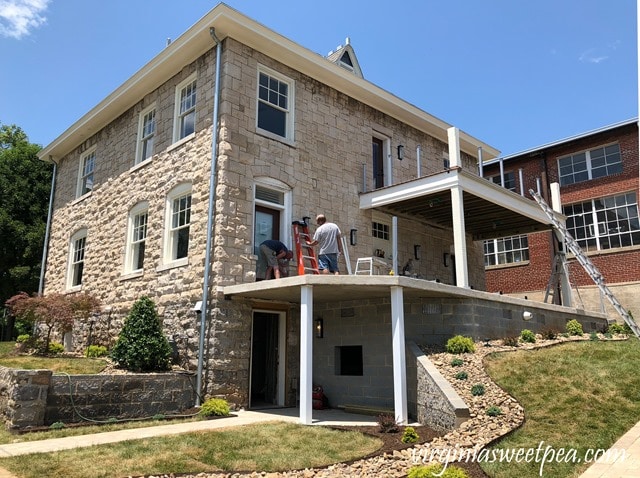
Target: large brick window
506	250
592	164
604	223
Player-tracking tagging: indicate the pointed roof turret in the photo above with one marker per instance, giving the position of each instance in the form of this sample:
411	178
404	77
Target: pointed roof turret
345	56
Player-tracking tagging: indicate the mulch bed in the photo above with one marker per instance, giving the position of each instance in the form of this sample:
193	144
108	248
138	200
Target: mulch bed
392	442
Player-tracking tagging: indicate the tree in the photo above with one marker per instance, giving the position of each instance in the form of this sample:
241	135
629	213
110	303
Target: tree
141	345
25	184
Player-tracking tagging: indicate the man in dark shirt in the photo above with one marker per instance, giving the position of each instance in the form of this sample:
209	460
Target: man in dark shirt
273	251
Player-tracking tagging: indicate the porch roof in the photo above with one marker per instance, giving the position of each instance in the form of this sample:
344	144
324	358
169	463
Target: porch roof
490	211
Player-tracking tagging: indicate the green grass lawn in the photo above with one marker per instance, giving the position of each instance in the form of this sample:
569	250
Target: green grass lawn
70	365
576	396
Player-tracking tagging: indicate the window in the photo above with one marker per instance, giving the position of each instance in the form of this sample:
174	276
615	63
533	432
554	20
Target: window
275	99
185	113
179	220
85	176
146	134
76	258
349	360
136	238
604	223
509	180
506	250
380	231
593	164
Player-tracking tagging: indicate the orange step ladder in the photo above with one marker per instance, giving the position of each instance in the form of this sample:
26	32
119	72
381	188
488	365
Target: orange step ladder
307	262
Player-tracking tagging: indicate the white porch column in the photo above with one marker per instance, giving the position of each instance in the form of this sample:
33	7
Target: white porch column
306	354
459	233
453	135
399	356
565	283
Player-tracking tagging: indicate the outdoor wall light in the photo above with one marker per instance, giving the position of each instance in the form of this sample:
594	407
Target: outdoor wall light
319	327
400	152
445	259
417	251
197	307
526	315
353	237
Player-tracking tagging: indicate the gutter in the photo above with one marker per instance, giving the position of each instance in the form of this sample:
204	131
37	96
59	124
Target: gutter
45	246
212	190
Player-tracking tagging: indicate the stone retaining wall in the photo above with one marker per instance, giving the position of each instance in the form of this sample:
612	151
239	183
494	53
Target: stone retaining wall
32	398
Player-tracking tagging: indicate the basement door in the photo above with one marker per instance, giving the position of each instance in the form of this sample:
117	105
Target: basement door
266	387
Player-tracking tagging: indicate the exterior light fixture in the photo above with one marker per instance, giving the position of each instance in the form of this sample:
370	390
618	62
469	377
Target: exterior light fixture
417	251
400	152
353	237
526	315
445	259
319	328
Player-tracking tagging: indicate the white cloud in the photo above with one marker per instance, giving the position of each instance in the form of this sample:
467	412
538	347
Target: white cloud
19	17
593	55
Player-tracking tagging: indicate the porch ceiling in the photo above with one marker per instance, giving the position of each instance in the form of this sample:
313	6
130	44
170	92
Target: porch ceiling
490	211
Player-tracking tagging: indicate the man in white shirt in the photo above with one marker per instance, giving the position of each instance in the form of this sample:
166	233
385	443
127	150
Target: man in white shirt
327	236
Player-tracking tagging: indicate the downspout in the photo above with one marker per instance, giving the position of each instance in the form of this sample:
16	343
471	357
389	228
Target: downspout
212	190
45	246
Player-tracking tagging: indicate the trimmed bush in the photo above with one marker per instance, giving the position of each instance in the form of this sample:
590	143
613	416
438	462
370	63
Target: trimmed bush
23	338
55	348
94	351
549	333
460	345
457	362
141	346
528	336
462	375
215	407
436	469
494	411
510	341
574	327
409	435
387	423
477	390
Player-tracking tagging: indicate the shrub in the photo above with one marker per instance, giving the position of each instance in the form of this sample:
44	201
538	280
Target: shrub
387	423
57	426
494	411
457	362
527	336
477	390
574	327
409	435
23	338
593	336
436	469
462	375
55	348
94	351
510	341
460	345
141	346
616	328
549	333
215	407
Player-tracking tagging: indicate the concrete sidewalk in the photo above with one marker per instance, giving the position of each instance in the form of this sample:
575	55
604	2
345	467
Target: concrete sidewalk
625	466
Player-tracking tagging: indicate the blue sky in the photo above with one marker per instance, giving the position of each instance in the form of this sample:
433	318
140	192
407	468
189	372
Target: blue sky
513	74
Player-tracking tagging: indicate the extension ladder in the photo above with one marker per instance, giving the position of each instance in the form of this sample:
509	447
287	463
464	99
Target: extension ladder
307	262
585	262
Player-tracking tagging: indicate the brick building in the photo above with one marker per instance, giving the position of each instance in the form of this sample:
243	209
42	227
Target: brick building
598	176
169	185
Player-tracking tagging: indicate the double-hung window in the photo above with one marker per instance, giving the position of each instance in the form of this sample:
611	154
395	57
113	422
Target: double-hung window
85	174
275	103
185	113
509	180
592	164
76	259
604	223
136	238
506	250
178	223
146	134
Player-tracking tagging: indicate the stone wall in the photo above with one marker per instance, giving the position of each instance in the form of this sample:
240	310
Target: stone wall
31	398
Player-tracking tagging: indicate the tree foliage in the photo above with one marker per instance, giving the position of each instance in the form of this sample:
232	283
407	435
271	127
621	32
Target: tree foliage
25	184
52	311
141	345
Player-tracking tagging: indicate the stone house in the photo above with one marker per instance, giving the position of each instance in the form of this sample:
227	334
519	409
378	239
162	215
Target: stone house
167	187
597	173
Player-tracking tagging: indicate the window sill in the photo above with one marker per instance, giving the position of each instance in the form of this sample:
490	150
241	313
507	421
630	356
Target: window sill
173	264
81	198
180	142
131	275
142	164
270	135
506	266
75	288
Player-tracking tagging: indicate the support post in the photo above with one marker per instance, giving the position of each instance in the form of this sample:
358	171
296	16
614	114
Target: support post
459	240
399	357
306	354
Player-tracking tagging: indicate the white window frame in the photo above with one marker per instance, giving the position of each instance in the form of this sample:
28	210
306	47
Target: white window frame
592	234
500	251
509	177
589	165
145	137
136	236
386	158
289	110
171	231
285	207
179	113
76	258
86	174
